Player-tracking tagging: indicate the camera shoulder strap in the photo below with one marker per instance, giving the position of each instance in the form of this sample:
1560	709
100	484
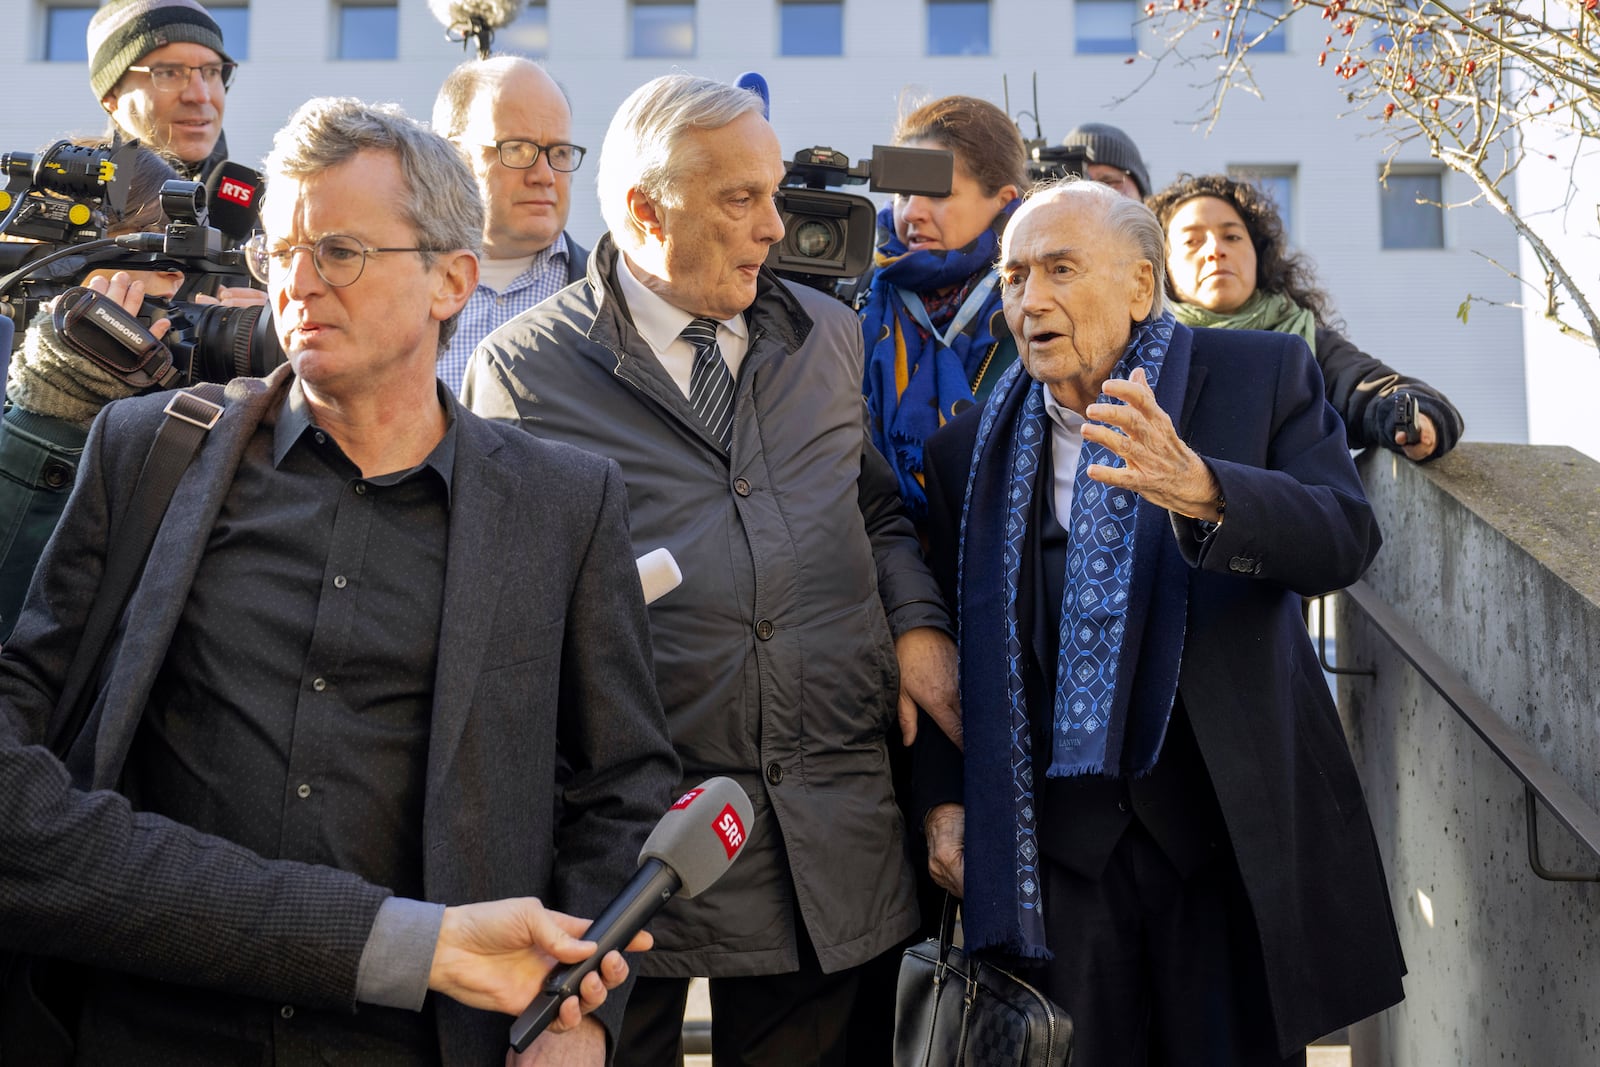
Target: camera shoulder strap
190	415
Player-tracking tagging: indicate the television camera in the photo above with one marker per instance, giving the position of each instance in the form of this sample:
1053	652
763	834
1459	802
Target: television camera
59	201
829	236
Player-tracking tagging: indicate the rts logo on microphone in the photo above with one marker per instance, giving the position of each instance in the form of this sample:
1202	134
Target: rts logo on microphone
236	192
729	830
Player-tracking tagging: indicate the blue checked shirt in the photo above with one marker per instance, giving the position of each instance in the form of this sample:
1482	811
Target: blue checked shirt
487	310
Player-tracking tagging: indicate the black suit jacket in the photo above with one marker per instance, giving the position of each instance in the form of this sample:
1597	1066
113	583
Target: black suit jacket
1263	720
543	648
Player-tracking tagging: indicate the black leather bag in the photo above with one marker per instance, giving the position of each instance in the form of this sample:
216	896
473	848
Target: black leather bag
954	1011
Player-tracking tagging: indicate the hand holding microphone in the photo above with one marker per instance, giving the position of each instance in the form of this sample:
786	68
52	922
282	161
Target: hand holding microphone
695	842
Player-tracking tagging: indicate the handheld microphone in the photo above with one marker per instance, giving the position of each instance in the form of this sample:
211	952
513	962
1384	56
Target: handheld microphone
658	574
233	194
695	842
758	85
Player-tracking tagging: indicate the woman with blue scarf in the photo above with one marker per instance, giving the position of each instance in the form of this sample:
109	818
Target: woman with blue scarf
935	337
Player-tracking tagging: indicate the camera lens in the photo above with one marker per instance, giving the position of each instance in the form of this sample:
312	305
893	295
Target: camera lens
816	239
233	342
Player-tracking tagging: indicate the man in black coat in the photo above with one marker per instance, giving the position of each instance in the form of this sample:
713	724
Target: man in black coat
1165	820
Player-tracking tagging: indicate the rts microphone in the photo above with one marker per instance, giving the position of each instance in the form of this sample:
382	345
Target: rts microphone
233	193
758	85
695	842
658	574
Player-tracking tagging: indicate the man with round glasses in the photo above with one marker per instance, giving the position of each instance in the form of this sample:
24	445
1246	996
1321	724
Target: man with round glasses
375	632
512	124
159	69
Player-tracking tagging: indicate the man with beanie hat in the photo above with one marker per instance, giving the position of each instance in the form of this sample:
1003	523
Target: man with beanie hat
159	69
1111	158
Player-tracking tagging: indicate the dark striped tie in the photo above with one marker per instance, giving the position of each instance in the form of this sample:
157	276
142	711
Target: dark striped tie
710	383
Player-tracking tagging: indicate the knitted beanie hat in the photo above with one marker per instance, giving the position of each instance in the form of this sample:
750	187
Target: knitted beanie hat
125	31
1110	146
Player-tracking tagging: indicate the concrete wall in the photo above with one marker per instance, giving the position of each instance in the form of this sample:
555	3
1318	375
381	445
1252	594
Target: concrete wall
1490	554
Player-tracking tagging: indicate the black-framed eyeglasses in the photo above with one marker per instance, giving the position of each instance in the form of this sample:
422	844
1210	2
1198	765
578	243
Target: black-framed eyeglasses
174	77
520	155
338	259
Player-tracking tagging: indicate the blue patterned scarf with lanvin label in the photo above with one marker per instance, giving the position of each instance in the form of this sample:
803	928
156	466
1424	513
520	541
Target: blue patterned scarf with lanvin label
1107	717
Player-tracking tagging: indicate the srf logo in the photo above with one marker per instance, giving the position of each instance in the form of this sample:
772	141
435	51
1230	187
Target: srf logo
238	192
685	800
729	830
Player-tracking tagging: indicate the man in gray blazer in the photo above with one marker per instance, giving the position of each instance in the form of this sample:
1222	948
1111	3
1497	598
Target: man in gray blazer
371	629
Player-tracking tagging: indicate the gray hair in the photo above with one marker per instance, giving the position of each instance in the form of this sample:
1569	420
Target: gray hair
641	145
1123	216
463	86
442	204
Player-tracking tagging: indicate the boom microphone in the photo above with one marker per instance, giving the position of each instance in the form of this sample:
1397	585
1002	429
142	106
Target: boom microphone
695	842
474	21
233	196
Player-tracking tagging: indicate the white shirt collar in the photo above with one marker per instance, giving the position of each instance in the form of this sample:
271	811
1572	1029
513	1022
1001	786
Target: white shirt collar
658	321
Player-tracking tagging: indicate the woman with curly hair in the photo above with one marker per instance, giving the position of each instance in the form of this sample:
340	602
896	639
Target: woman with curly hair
1228	265
935	336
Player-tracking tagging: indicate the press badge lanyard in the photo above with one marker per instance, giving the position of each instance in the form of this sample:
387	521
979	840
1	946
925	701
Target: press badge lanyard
964	315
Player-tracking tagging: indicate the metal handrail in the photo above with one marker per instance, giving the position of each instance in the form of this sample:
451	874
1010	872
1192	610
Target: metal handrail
1541	783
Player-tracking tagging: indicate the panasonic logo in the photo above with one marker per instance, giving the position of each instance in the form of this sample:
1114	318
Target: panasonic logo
113	324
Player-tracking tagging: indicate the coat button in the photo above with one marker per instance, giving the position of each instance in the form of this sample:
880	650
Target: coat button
741	486
1122	806
764	630
287	1011
56	474
303	792
774	773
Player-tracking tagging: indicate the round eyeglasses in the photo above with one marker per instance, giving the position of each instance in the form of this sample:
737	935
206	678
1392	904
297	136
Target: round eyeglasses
338	260
174	77
520	155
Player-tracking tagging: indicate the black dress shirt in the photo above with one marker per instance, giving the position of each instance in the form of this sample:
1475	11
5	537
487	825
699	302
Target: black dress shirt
292	716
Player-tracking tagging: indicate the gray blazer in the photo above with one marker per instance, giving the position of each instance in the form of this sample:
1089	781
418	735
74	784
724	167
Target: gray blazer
775	657
543	651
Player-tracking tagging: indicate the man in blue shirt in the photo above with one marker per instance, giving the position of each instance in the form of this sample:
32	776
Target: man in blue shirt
512	124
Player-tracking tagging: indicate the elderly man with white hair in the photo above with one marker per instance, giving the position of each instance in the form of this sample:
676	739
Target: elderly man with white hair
731	401
1155	812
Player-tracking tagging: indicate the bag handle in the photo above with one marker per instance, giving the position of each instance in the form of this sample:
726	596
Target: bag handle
191	413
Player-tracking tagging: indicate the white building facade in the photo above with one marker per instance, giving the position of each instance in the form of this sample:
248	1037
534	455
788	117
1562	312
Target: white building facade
1091	59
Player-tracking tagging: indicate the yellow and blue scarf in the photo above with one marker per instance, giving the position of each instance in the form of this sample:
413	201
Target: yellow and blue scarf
916	380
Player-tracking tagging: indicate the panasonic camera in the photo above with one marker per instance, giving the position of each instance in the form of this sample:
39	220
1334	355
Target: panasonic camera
59	199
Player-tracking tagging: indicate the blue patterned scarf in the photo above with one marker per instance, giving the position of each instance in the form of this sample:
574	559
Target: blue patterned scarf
1124	605
914	381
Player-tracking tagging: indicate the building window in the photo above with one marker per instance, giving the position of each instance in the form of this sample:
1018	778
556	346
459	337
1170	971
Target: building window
233	19
1411	205
1105	27
529	35
1258	19
368	31
1277	182
958	27
663	29
65	33
811	27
